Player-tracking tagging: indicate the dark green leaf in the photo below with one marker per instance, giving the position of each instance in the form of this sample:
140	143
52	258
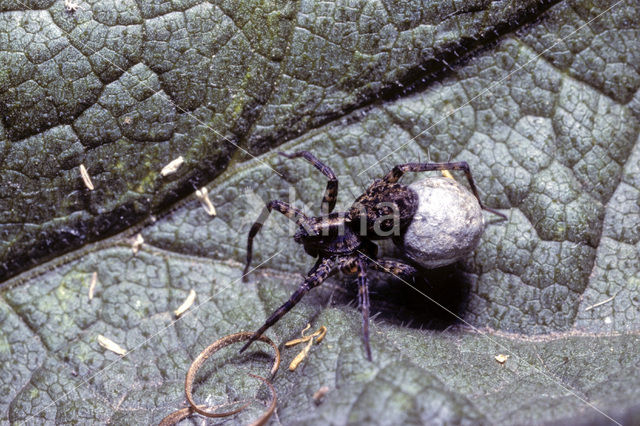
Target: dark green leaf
543	106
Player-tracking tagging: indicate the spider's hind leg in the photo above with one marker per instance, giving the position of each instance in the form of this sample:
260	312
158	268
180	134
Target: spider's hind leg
363	301
398	171
394	267
316	276
331	192
280	206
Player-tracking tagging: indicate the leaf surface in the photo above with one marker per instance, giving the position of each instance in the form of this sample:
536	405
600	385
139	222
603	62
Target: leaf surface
542	104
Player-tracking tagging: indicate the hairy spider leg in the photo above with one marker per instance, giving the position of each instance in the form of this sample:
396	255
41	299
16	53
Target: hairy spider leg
393	267
348	264
363	301
331	192
315	277
399	170
280	206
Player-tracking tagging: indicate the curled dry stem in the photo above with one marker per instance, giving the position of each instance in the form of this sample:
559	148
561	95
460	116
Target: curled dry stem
183	413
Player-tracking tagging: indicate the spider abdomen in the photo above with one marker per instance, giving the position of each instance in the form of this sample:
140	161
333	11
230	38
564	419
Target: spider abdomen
384	210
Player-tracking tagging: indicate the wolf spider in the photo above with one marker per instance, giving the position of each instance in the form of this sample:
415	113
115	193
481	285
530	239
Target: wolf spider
345	241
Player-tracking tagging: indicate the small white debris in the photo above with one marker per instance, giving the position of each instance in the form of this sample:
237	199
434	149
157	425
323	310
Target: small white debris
110	345
92	286
85	177
71	6
607	320
137	243
318	395
186	304
501	358
318	335
447	174
203	196
301	356
172	167
595	305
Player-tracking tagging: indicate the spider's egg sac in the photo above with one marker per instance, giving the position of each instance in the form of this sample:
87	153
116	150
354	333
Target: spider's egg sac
447	225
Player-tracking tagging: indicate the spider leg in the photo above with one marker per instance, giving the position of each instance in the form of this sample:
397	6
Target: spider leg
315	277
331	192
399	170
393	267
348	264
363	301
279	206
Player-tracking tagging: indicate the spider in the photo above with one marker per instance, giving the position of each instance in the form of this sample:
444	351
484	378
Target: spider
346	241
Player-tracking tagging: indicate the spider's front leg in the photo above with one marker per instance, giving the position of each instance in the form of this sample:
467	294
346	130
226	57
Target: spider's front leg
331	192
316	276
398	171
363	301
280	206
390	266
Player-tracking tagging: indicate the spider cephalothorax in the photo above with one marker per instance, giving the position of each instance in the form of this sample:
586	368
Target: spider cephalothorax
345	241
